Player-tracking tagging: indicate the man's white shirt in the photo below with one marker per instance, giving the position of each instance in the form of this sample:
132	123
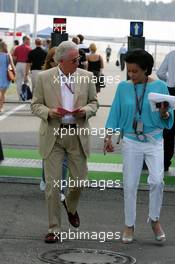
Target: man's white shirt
67	96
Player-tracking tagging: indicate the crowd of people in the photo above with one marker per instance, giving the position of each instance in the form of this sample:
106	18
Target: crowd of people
63	102
27	62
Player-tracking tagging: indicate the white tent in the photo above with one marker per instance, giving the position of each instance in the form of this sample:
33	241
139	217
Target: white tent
45	33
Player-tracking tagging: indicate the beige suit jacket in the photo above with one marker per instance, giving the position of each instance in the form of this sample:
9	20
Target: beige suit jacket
47	94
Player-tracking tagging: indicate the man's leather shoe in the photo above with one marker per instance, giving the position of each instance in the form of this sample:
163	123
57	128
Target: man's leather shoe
74	220
52	238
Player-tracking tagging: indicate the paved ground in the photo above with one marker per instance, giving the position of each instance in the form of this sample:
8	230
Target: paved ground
23	224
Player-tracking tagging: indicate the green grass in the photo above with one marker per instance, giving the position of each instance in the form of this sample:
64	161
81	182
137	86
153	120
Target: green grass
92	175
20	172
33	154
21	153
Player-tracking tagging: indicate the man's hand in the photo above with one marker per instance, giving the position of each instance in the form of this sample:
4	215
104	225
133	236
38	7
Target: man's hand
80	113
108	147
53	113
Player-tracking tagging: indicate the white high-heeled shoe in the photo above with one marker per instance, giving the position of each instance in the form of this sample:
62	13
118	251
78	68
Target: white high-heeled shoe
128	234
158	231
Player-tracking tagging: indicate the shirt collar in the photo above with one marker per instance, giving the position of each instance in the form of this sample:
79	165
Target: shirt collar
68	78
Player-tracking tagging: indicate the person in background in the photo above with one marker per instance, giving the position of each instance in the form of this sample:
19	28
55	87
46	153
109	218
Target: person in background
5	62
83	51
76	40
121	54
46	44
82	61
36	59
142	131
95	64
82	45
20	57
166	72
15	44
108	53
49	60
48	96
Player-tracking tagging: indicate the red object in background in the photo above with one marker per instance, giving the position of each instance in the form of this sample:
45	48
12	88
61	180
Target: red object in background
18	34
59	25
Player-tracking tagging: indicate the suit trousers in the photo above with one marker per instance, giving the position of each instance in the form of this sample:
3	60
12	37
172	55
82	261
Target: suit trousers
134	154
77	165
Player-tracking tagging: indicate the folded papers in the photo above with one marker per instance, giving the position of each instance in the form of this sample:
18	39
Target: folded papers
64	111
158	98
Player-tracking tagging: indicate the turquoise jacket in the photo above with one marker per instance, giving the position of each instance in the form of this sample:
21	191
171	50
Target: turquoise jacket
122	112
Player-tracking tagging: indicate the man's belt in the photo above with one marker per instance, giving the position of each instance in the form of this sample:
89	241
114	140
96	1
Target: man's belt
68	126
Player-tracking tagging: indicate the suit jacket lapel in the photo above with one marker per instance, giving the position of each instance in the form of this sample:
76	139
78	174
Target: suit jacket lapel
55	84
77	89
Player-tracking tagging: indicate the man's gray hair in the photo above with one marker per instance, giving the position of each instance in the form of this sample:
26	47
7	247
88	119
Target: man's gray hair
62	50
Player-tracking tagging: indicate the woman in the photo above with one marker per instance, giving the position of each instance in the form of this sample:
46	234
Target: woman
142	138
5	62
95	64
49	61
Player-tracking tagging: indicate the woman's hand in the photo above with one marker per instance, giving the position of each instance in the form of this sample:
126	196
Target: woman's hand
108	147
164	110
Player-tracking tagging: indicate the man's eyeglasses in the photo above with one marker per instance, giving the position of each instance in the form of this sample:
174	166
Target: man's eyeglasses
76	59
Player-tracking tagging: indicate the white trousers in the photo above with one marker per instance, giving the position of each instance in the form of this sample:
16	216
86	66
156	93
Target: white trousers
20	72
134	154
34	74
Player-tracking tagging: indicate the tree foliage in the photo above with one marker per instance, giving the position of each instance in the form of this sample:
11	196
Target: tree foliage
124	9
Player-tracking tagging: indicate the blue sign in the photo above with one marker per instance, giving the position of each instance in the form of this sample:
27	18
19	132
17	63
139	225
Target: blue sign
136	29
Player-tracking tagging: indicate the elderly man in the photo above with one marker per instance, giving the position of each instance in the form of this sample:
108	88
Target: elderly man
64	87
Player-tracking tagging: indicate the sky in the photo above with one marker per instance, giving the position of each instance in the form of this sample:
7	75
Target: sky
147	1
164	1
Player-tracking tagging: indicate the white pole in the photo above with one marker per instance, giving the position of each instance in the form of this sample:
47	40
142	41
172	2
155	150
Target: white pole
15	14
35	19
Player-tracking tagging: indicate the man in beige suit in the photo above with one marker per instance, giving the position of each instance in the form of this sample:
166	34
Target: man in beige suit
70	88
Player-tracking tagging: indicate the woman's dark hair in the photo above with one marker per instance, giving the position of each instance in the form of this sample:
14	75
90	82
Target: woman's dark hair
142	58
